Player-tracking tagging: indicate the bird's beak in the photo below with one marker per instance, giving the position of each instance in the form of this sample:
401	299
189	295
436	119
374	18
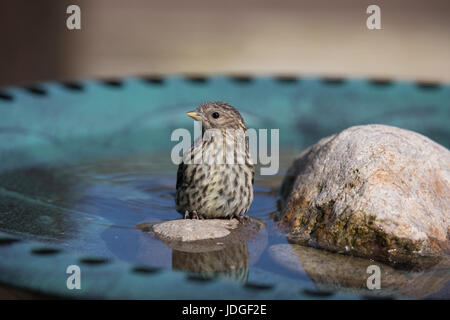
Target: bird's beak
194	115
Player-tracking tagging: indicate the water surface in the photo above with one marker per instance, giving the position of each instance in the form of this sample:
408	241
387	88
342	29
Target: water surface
103	208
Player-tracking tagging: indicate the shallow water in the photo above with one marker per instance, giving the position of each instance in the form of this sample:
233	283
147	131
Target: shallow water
103	207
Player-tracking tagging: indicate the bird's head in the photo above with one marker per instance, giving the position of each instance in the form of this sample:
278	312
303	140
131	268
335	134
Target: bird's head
218	115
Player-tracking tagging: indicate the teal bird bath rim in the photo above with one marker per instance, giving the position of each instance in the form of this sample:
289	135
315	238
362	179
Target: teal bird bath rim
70	195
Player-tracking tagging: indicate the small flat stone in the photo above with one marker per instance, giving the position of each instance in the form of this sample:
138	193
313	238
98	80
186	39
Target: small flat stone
186	230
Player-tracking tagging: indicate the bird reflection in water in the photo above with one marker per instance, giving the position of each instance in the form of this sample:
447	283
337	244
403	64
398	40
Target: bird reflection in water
230	262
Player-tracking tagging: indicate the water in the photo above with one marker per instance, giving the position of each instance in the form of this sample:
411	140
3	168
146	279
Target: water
105	207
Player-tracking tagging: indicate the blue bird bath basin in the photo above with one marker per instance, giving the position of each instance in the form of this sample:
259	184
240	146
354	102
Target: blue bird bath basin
85	168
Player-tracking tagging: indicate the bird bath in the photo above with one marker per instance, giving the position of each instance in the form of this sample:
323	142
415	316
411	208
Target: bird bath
85	169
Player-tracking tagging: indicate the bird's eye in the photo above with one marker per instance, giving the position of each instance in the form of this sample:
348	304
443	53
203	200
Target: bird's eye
215	115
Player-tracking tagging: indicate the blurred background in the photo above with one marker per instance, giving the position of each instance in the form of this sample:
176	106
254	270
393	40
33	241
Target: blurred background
295	37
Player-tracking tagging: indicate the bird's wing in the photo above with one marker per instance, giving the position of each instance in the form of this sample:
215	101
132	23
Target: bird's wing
182	178
180	174
253	175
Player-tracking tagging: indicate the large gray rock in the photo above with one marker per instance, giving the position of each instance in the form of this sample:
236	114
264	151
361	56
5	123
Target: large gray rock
375	191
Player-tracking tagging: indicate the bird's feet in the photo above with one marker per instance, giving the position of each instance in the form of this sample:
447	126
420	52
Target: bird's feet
243	219
193	215
197	216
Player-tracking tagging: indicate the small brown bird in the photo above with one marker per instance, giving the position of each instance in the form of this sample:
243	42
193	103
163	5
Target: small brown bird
216	187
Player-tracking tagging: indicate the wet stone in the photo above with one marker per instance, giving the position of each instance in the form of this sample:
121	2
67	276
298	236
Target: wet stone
193	230
191	235
208	248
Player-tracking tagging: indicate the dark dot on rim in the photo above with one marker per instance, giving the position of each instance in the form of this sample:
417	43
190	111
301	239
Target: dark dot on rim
94	261
333	81
6	96
242	79
381	82
197	79
36	90
316	293
146	270
428	85
378	297
8	241
45	251
258	286
113	83
153	79
286	79
198	278
75	86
